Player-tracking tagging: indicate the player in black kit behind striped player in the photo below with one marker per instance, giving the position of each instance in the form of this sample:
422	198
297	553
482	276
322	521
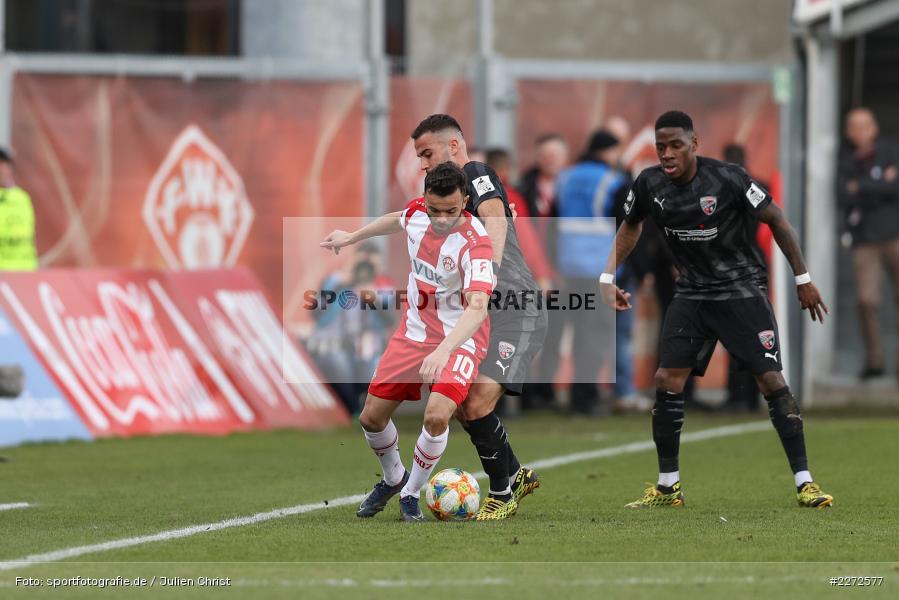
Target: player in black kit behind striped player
516	334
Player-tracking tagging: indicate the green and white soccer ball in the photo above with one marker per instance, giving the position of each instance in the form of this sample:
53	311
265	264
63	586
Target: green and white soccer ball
453	495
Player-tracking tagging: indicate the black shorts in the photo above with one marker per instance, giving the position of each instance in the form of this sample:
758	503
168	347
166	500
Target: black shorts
745	326
514	342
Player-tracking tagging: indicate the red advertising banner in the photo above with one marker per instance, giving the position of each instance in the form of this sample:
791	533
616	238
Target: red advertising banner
237	322
133	358
102	338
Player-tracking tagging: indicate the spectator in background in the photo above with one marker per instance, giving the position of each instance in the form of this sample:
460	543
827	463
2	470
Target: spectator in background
621	129
347	341
17	252
868	193
588	193
630	277
532	248
538	184
538	188
17	240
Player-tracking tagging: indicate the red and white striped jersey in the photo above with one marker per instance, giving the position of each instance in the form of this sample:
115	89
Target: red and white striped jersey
444	269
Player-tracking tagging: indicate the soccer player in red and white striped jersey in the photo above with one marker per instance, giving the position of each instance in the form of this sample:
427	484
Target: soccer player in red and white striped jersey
442	336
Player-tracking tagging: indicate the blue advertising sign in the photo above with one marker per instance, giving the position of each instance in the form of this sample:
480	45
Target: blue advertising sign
40	413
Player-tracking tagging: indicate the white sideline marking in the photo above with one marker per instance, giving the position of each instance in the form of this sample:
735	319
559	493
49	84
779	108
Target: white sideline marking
706	434
13	505
172	534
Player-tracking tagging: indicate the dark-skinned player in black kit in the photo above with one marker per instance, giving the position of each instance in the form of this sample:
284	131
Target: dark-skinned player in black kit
701	206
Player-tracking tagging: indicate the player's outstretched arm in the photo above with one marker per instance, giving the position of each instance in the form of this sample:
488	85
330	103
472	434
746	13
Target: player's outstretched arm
472	317
383	225
625	240
785	236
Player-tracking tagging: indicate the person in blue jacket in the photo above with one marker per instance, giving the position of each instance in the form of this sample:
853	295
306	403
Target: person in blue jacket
588	195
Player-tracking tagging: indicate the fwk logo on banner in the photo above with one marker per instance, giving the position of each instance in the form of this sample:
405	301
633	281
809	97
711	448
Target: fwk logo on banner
196	207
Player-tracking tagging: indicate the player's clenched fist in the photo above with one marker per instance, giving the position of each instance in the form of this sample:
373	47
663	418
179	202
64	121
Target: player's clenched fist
433	365
336	240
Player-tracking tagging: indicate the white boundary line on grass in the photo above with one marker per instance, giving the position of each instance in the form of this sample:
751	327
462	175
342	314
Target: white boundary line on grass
14	505
172	534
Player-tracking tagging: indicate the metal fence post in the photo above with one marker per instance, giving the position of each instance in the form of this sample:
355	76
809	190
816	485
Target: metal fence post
494	96
823	96
788	94
377	110
5	84
792	129
6	79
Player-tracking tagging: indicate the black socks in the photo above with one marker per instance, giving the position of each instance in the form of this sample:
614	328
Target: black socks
784	412
667	421
489	438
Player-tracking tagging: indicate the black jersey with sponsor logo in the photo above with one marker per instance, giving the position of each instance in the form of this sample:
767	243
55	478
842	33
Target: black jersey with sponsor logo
484	184
706	225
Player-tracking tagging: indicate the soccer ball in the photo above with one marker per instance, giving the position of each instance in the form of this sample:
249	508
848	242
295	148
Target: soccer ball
453	495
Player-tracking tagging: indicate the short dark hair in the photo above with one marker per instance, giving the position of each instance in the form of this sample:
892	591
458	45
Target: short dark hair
675	118
496	156
5	155
601	140
446	178
736	154
435	123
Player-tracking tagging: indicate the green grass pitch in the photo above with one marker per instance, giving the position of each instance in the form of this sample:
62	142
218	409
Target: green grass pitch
741	534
